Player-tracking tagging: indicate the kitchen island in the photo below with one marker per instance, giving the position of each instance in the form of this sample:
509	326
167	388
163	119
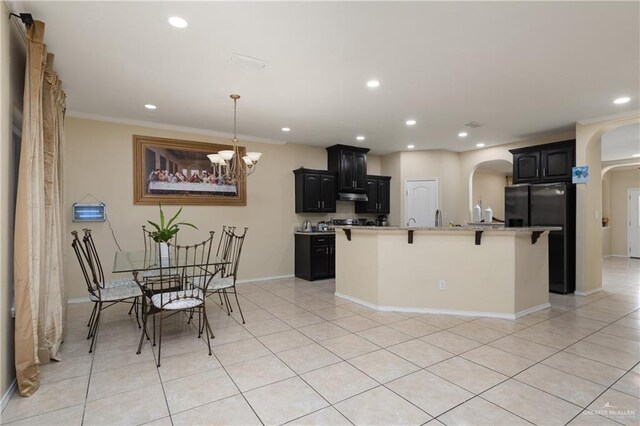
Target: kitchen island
480	271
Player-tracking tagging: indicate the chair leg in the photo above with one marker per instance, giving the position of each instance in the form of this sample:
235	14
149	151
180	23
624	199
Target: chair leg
95	328
160	340
153	320
238	303
226	299
144	331
132	306
220	296
93	315
208	328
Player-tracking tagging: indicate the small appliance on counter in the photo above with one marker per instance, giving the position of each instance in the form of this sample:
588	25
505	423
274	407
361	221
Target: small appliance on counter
381	220
306	226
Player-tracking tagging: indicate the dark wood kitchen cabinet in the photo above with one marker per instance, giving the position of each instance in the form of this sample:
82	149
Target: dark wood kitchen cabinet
315	256
544	163
315	191
378	190
350	163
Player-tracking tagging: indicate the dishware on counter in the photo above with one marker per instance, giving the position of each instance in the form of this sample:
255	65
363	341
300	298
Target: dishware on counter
488	215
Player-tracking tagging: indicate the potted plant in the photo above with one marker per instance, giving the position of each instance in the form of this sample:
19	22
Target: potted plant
166	231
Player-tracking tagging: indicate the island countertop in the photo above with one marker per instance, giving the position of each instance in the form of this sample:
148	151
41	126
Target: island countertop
487	228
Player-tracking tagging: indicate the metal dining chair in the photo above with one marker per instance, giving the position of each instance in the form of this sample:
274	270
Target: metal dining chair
103	294
229	249
173	290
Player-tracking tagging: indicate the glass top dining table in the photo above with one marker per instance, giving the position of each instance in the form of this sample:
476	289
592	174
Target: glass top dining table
142	260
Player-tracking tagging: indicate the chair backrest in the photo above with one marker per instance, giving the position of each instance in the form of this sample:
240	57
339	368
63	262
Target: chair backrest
232	242
85	265
184	268
93	258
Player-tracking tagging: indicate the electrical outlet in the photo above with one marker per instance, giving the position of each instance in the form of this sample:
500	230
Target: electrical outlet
442	285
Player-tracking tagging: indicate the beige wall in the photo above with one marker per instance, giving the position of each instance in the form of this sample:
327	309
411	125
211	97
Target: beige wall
606	212
490	188
98	160
618	182
589	202
11	88
390	166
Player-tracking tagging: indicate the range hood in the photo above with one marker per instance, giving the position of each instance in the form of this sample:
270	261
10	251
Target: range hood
350	196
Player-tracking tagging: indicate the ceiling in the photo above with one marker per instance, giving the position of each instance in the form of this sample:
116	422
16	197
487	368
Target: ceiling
621	143
523	69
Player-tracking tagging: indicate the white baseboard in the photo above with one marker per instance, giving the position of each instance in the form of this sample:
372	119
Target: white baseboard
444	311
277	277
8	394
532	310
618	255
588	292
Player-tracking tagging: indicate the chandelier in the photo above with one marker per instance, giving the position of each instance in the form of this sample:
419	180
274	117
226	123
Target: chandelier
229	166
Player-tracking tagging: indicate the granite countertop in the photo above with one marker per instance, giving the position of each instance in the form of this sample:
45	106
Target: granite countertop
331	232
467	228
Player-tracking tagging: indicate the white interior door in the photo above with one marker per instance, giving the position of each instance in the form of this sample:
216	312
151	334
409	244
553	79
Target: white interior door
633	236
421	203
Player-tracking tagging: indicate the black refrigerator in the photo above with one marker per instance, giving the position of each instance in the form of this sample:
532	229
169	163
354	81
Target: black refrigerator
552	204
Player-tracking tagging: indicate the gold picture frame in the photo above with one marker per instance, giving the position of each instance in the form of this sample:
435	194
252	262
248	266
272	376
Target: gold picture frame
172	171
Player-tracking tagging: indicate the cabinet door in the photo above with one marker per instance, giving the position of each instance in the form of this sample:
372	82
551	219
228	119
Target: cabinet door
384	196
556	164
346	170
311	195
526	167
360	171
320	261
327	194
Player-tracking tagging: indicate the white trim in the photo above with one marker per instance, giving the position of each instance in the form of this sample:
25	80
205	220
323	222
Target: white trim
248	281
277	277
445	311
588	292
532	310
358	301
619	255
8	394
172	127
630	114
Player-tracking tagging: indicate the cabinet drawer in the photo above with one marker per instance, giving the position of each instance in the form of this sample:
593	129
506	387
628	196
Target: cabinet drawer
323	240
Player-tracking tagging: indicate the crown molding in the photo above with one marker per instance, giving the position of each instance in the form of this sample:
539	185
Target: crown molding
628	114
164	126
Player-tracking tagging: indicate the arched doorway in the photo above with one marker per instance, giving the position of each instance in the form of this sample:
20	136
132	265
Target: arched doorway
487	182
589	202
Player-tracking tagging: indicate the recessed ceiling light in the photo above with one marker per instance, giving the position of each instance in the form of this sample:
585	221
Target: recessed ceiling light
622	100
636	155
360	138
411	146
178	22
479	145
373	83
285	129
410	122
462	134
150	106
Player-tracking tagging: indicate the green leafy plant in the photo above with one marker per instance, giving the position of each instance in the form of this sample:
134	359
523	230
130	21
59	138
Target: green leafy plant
165	232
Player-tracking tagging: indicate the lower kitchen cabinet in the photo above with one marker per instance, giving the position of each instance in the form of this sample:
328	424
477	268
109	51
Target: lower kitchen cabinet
315	256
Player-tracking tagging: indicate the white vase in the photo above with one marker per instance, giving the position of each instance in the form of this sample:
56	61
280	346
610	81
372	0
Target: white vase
164	254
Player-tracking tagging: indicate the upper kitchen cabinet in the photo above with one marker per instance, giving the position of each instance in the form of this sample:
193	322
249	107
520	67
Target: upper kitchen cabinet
544	163
378	191
315	191
350	163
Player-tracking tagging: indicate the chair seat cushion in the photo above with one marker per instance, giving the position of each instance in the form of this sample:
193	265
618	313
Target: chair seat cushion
119	292
119	282
176	300
217	283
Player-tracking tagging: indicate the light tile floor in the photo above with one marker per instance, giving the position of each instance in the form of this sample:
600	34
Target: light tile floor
308	357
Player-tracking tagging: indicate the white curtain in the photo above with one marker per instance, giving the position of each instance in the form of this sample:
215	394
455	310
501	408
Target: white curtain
40	296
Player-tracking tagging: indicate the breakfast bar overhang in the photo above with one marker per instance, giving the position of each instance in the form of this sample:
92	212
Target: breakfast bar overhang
479	271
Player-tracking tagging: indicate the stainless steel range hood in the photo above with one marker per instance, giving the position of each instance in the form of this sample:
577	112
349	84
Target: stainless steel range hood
349	196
